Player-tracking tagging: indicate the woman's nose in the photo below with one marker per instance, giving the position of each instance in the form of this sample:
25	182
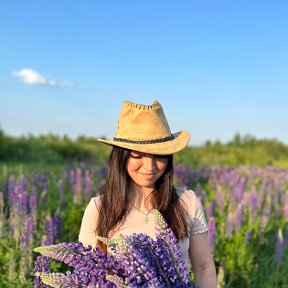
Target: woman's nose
148	163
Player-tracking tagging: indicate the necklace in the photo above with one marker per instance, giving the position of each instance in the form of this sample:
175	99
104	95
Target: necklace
146	220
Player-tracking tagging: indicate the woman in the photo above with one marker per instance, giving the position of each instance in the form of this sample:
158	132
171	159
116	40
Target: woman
140	179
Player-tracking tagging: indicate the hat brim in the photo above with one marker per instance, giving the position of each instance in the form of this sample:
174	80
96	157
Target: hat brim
178	143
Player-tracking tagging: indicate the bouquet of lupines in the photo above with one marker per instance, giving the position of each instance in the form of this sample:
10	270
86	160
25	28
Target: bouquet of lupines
136	260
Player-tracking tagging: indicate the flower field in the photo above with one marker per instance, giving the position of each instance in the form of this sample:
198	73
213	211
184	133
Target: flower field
246	209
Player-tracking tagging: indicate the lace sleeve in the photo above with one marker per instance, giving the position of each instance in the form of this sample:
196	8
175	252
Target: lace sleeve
196	217
87	233
198	223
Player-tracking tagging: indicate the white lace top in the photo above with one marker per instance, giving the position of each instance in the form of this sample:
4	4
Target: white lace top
135	221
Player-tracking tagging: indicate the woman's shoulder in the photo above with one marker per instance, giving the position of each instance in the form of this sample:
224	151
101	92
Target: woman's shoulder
188	198
185	194
194	209
94	203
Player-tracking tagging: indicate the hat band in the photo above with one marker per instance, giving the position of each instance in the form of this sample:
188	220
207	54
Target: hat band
166	139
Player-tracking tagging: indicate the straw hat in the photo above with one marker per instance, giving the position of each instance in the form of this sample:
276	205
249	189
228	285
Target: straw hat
144	128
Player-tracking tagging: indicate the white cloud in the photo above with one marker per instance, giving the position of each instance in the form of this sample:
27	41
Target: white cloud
32	77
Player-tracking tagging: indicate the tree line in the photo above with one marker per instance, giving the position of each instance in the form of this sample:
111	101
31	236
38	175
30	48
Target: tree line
50	148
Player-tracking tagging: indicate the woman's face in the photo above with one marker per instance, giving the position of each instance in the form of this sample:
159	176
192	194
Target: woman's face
145	169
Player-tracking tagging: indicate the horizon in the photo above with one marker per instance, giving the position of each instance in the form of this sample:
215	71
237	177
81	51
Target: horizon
61	137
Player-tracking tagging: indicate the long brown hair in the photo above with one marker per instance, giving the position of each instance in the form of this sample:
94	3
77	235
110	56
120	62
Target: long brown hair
114	196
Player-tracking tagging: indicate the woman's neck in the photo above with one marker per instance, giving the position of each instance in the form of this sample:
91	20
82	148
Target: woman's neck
140	197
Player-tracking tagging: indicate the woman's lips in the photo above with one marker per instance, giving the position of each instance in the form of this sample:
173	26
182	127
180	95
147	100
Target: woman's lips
147	175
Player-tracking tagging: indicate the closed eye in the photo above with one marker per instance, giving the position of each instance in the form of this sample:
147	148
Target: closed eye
136	155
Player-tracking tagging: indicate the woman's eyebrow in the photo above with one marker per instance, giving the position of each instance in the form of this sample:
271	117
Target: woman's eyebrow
137	153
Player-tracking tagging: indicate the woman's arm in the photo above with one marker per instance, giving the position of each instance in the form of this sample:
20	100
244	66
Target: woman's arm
202	262
87	234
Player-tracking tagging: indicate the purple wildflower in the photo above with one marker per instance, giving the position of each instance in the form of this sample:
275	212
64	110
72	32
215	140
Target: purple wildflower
134	261
77	187
57	225
30	227
1	215
286	240
88	185
239	216
265	216
48	238
43	197
248	235
33	205
22	185
210	209
238	189
41	265
279	248
61	192
285	209
253	201
229	225
220	200
23	203
212	233
10	188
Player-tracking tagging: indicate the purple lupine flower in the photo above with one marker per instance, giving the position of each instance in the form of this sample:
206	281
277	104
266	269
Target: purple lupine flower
48	238
1	215
44	240
265	216
60	185
163	229
212	233
285	208
71	176
33	205
220	200
43	182
238	189
239	216
83	260
23	204
78	182
41	265
30	227
22	185
229	225
200	193
286	240
43	197
57	225
88	185
248	235
136	261
198	190
183	174
23	243
77	187
265	187
11	189
276	198
15	220
253	202
188	177
101	173
279	248
210	209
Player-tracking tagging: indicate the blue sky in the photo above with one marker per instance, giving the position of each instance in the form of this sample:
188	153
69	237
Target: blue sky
217	67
